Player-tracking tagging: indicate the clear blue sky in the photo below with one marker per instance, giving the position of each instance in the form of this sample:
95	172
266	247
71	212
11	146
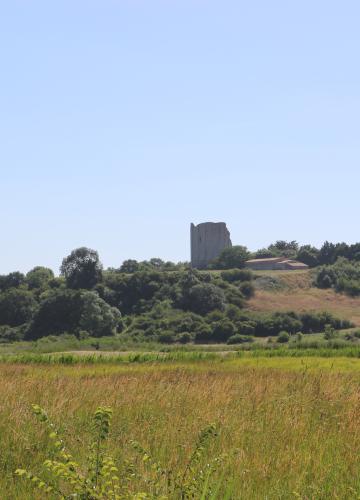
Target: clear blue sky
123	121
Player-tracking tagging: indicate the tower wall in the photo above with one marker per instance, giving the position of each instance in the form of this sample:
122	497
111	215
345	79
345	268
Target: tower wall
208	240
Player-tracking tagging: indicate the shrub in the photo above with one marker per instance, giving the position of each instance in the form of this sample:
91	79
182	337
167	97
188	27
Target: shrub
166	337
239	339
9	334
247	289
205	297
222	330
246	328
283	337
204	335
184	338
330	333
344	276
232	275
233	313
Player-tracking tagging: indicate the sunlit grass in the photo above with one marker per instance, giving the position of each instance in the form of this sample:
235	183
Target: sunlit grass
290	426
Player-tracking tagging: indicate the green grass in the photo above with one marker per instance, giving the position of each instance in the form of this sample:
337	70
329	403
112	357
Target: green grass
177	356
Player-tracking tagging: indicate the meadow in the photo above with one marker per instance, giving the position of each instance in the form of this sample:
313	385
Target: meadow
284	291
287	427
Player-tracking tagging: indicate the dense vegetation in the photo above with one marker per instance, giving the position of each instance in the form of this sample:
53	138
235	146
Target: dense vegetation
150	303
343	276
310	255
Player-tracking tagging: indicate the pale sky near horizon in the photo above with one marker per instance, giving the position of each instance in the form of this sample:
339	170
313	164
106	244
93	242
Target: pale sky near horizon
123	121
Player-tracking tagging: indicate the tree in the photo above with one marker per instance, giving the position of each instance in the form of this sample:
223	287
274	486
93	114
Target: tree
156	263
230	258
58	313
308	255
265	253
82	268
223	330
130	266
205	297
283	248
70	311
16	307
39	277
327	254
97	317
12	280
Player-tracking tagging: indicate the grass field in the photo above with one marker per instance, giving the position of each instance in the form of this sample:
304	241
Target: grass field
290	427
293	292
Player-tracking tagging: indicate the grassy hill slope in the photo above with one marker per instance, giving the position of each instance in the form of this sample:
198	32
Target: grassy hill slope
292	290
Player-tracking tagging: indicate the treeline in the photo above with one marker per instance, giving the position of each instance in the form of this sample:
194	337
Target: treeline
310	255
148	301
236	257
86	300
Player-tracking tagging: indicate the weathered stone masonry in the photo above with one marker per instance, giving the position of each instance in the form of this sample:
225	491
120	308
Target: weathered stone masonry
208	240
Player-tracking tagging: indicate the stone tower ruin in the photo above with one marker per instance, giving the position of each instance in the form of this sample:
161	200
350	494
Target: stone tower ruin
208	240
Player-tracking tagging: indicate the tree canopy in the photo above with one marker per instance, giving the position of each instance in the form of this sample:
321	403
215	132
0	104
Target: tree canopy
82	268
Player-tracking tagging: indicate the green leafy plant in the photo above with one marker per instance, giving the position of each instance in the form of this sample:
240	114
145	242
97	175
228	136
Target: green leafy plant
102	479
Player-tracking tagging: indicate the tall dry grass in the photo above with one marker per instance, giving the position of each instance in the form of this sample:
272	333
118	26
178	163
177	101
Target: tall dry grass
288	433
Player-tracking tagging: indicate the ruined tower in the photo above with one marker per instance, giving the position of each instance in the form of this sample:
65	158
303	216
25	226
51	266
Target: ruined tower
208	240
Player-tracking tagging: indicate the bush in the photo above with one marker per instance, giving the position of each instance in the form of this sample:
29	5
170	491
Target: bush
283	337
246	328
9	334
330	333
239	339
344	276
184	338
223	330
205	297
204	335
247	289
166	337
232	275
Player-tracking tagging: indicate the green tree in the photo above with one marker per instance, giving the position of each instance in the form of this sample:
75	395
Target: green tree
97	317
58	313
12	280
205	297
39	277
308	255
230	258
130	266
283	248
327	254
82	268
16	307
223	330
